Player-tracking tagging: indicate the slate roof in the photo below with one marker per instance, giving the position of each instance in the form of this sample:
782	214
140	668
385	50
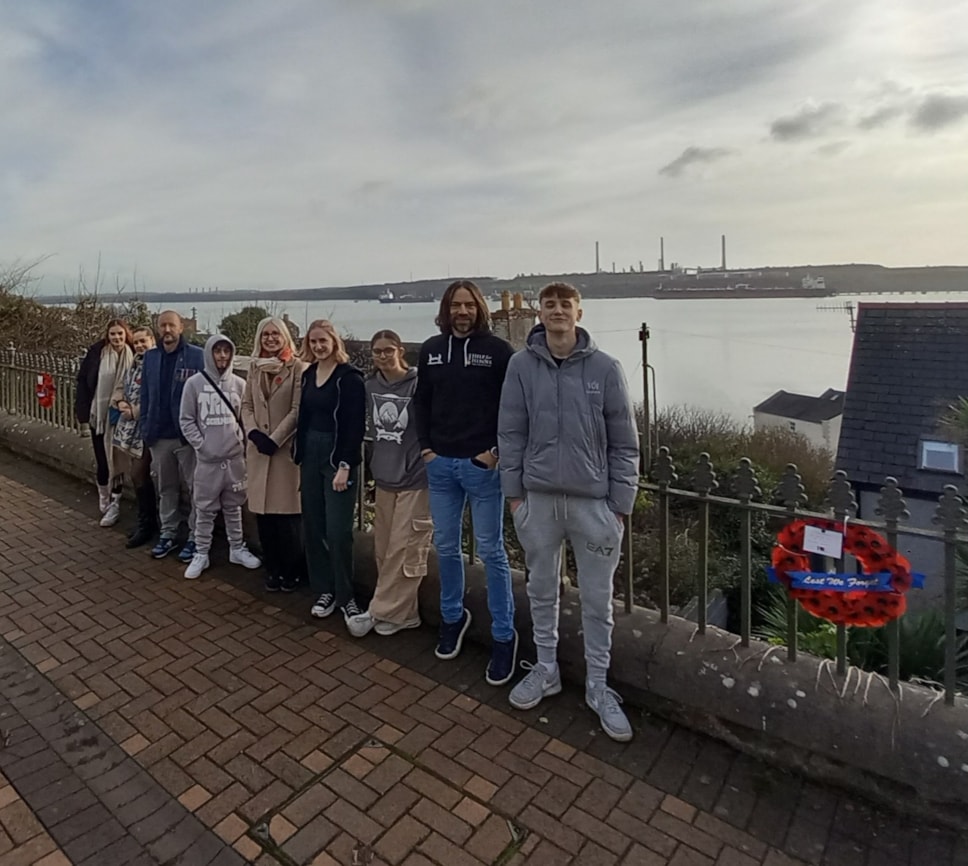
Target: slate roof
802	407
909	362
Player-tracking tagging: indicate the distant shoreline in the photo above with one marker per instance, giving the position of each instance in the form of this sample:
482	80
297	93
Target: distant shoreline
705	284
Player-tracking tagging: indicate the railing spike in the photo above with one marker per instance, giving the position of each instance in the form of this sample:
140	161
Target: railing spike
745	482
950	514
840	495
790	491
704	478
891	505
663	469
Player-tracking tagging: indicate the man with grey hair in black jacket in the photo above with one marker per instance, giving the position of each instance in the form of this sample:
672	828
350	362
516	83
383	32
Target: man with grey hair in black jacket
569	468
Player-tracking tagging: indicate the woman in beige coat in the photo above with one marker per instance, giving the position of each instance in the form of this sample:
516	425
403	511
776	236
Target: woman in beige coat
270	407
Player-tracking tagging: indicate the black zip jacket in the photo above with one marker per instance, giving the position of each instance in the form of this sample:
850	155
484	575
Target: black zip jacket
87	382
458	393
349	416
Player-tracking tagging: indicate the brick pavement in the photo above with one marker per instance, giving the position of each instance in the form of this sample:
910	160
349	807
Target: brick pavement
22	835
151	719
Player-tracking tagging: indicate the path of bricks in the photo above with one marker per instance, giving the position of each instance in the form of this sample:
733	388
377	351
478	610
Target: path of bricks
148	719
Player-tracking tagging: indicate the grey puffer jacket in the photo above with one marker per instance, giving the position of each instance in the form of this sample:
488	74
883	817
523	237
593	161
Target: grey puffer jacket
568	429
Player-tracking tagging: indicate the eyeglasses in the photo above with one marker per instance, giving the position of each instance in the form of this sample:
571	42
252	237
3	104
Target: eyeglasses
383	353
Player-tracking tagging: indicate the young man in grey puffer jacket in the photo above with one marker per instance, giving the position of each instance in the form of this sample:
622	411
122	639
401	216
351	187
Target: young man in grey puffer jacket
569	469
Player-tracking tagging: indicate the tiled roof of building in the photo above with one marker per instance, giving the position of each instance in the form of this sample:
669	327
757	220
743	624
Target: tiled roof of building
802	407
908	364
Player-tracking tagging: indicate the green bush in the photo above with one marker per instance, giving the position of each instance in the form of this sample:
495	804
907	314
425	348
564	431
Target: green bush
689	432
920	646
240	328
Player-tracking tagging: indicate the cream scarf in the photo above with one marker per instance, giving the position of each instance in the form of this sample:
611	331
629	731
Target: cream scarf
109	377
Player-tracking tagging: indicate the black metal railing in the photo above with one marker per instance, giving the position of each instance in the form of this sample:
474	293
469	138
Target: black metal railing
18	378
19	373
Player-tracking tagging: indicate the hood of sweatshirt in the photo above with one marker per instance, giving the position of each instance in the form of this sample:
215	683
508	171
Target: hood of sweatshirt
403	384
537	343
208	351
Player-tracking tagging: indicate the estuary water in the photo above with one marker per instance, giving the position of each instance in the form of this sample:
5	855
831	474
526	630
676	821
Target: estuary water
724	354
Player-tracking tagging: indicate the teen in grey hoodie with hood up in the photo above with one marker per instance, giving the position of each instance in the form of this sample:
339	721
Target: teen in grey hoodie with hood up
569	469
210	422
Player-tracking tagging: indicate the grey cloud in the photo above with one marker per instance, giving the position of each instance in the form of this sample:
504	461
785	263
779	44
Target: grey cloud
693	156
938	110
833	148
809	122
880	117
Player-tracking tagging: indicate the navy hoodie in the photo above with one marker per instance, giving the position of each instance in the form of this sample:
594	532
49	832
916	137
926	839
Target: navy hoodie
458	392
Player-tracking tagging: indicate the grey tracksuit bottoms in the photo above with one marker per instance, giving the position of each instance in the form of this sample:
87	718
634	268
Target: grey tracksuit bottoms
542	522
219	487
172	464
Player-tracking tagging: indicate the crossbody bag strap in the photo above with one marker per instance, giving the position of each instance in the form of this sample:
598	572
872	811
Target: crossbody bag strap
225	400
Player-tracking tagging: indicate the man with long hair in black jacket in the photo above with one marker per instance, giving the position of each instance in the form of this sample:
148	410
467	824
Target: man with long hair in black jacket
459	379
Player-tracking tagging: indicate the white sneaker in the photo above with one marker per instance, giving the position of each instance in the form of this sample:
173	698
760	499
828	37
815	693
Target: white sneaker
244	557
198	564
113	511
360	624
607	703
103	497
381	626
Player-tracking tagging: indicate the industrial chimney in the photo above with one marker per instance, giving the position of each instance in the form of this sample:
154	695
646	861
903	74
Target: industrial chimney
724	252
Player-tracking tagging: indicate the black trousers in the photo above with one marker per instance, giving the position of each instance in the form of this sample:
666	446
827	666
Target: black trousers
282	545
101	461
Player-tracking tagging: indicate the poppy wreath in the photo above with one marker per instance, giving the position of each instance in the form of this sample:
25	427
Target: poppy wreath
45	390
873	553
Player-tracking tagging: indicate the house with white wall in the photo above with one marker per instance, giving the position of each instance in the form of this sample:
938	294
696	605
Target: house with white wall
816	418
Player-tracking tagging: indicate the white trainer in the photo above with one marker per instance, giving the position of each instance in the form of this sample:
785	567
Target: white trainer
244	557
360	624
113	511
386	628
198	564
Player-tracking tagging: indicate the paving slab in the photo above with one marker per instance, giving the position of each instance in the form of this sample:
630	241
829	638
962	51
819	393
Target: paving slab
149	719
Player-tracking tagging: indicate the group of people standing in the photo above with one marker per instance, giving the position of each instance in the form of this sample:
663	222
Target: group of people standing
550	428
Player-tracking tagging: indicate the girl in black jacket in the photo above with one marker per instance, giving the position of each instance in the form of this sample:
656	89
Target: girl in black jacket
328	450
101	373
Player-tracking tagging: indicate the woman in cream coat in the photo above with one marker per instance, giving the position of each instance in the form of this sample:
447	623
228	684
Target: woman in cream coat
270	407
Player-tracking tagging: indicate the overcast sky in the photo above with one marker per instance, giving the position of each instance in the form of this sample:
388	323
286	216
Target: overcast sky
279	143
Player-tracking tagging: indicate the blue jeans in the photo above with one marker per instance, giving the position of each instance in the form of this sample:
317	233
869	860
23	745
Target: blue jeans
453	481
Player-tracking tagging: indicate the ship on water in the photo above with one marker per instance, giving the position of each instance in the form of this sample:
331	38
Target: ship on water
387	297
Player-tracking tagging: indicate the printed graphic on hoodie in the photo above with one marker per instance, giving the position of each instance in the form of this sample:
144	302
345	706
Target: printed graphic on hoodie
391	414
212	410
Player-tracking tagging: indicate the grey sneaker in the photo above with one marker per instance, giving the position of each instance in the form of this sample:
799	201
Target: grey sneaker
606	702
536	685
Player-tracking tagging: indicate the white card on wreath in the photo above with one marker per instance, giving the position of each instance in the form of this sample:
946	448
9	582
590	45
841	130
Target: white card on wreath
826	542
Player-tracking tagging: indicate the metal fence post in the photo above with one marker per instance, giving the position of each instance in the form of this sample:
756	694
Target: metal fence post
747	488
951	516
704	480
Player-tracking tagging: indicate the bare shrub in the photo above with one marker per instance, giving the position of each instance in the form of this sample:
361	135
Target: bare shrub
29	326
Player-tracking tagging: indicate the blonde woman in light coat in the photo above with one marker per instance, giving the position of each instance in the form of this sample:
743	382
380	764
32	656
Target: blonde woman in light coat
270	407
